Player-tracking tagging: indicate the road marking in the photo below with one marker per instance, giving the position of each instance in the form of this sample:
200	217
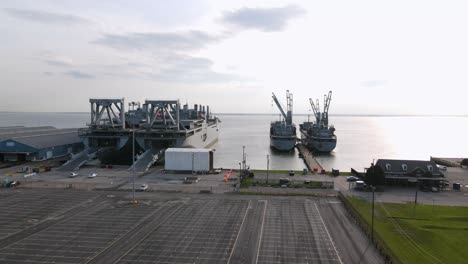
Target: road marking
326	229
240	230
134	227
261	229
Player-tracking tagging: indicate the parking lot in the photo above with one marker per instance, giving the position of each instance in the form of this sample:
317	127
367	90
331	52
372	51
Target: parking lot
103	227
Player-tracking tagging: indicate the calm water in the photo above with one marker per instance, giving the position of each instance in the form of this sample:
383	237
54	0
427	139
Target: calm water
360	139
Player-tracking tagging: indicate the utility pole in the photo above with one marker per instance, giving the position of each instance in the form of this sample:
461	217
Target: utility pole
268	167
415	198
372	225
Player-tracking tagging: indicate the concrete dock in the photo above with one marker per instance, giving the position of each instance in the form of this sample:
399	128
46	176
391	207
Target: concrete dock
309	158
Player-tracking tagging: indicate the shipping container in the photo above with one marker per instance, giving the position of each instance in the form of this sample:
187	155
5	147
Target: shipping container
188	159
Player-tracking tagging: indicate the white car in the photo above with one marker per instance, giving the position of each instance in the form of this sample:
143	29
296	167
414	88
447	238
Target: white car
144	187
443	168
73	174
92	175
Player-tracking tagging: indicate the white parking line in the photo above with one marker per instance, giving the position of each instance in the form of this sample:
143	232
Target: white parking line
323	223
261	229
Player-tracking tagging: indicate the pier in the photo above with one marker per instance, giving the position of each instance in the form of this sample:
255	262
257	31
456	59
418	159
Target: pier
308	157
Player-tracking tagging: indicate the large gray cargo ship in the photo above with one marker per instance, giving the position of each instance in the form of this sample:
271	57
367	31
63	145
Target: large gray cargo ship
319	136
156	126
283	131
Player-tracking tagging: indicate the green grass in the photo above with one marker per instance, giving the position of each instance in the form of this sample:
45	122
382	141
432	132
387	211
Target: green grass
253	182
421	234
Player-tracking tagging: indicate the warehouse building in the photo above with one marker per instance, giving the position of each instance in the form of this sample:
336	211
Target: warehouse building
37	143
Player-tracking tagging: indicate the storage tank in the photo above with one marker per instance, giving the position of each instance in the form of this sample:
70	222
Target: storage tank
188	159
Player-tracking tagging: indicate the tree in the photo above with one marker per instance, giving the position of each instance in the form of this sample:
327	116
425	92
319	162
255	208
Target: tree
464	162
375	176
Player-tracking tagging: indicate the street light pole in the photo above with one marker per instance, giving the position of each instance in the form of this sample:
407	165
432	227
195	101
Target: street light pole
243	157
372	225
134	200
133	165
268	167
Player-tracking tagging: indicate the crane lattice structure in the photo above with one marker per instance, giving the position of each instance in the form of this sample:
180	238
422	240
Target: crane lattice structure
106	113
321	118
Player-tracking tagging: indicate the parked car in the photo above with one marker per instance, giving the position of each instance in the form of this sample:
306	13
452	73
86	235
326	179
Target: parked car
291	173
360	185
92	175
443	168
352	178
144	187
73	174
425	188
12	184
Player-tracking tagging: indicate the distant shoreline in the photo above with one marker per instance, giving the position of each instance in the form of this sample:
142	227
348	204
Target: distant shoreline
259	114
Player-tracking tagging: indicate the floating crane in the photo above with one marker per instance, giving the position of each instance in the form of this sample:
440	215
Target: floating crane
321	117
289	103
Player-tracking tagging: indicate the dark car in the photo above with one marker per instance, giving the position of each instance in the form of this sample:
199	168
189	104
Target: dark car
291	173
352	178
12	184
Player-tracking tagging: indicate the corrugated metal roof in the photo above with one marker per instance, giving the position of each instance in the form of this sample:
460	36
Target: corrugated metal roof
190	150
9	127
34	133
11	130
58	138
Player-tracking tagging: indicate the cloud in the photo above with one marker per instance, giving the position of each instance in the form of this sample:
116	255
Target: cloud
158	42
188	69
374	83
79	75
264	19
45	17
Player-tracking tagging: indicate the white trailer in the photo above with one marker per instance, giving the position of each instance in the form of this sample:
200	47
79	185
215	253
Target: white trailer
188	159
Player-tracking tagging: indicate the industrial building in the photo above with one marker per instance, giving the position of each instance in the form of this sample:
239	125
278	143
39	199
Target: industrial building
188	159
37	143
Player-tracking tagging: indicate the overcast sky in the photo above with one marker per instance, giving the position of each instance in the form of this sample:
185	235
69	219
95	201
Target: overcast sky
378	57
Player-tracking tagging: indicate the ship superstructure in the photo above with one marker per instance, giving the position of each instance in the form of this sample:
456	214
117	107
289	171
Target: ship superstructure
156	125
319	136
283	131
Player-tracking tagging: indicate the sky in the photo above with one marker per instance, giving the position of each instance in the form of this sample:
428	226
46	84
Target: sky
378	57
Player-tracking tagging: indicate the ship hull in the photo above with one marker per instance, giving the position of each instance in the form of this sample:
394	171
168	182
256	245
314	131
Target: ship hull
282	143
317	144
206	137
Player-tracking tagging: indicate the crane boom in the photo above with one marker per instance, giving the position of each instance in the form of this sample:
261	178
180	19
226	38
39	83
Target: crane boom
279	106
326	107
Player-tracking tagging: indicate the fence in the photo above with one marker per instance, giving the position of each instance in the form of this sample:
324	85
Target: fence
379	242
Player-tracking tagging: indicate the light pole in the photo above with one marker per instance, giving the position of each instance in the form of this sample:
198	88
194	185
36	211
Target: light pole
372	225
268	167
193	163
134	200
243	157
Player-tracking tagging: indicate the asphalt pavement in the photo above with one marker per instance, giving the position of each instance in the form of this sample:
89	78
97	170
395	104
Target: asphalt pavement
70	226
